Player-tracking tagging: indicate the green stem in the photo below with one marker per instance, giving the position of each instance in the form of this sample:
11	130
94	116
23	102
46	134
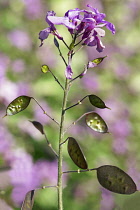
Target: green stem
79	171
79	102
60	155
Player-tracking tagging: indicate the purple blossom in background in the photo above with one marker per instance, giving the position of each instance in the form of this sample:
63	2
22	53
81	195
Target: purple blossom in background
33	9
122	70
134	171
4	63
18	66
47	172
20	39
8	90
22	175
50	59
120	145
90	82
6	141
107	202
23	88
121	128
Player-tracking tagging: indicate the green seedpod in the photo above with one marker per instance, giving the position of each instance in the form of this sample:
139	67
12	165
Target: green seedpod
76	153
115	180
44	69
18	105
39	126
95	122
98	60
28	201
97	102
56	42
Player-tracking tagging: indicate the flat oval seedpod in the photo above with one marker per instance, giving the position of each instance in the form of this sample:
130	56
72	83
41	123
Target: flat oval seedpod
97	102
38	125
115	180
95	122
18	105
76	153
28	201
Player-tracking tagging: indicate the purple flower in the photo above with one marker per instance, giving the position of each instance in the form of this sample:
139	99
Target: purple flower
89	24
45	32
68	72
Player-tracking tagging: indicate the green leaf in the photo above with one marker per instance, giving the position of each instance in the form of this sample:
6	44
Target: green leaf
44	69
39	126
18	105
97	102
76	153
97	61
95	122
115	180
29	201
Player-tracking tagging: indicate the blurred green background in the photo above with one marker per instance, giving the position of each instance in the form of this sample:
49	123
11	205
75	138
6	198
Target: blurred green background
116	80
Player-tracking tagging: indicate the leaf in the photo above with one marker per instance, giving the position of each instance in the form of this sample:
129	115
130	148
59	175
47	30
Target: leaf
95	122
115	180
18	105
28	201
97	102
44	69
76	153
38	125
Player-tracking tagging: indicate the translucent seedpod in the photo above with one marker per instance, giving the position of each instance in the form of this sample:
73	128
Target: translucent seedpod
18	105
95	122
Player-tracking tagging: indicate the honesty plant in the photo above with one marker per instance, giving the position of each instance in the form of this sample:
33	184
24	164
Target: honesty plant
86	29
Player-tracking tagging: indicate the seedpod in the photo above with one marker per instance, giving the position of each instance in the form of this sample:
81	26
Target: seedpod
28	201
76	153
95	122
18	105
97	102
39	126
116	180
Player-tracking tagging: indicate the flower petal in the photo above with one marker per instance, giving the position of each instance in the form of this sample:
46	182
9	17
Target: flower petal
68	72
111	27
61	21
100	46
44	34
100	32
